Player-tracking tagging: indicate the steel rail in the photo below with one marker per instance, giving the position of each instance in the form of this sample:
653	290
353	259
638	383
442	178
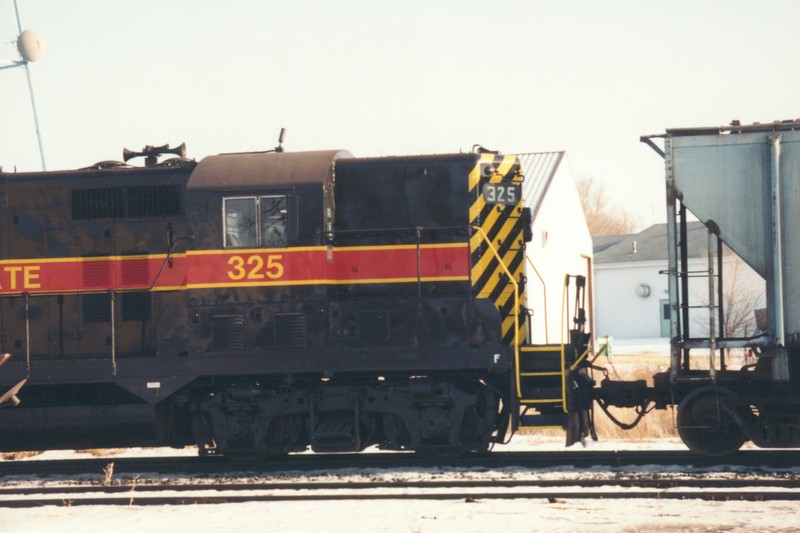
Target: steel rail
135	497
365	460
139	486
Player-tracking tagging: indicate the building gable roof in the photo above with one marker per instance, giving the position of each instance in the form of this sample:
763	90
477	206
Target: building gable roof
647	245
539	169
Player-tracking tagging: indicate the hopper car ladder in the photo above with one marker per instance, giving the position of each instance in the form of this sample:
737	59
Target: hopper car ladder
715	339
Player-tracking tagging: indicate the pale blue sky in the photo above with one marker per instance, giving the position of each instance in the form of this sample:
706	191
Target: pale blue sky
392	78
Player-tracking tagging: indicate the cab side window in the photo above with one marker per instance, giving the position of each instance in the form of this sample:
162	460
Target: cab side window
256	221
272	214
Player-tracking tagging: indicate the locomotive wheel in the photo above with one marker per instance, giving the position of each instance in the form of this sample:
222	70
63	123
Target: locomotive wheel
705	427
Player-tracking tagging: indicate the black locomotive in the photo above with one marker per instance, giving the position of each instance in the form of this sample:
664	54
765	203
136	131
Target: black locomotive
262	303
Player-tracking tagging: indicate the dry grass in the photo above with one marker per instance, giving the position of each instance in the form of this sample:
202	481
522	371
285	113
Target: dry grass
13	456
102	452
95	452
108	474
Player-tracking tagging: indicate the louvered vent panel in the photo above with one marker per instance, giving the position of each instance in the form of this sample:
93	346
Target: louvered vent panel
90	204
228	332
136	272
290	330
154	200
96	274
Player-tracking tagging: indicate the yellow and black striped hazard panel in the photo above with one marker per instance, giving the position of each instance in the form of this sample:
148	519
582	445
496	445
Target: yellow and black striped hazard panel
496	189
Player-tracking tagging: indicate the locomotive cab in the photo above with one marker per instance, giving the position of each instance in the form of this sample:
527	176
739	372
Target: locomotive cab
328	283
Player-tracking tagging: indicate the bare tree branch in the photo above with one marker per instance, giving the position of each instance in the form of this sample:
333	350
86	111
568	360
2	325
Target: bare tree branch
602	217
740	303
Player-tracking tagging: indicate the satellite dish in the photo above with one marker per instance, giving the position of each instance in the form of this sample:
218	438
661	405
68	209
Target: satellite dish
30	45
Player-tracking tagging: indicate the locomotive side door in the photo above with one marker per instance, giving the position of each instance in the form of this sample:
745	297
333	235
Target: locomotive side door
26	223
94	239
135	329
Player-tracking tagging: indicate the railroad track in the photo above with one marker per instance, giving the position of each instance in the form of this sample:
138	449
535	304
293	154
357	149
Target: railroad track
312	462
467	490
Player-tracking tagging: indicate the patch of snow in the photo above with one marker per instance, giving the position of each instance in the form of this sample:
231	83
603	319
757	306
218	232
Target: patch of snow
422	516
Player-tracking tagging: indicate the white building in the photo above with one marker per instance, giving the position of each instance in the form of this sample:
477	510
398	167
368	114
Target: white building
561	244
631	295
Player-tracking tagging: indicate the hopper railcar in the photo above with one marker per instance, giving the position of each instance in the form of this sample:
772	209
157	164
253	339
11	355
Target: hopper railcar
740	181
263	303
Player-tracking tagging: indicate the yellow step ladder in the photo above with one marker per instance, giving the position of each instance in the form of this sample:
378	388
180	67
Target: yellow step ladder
541	385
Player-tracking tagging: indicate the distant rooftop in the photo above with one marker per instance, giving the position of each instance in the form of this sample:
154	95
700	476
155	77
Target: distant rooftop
647	245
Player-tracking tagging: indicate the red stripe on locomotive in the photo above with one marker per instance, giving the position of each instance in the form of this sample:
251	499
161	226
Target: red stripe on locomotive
199	269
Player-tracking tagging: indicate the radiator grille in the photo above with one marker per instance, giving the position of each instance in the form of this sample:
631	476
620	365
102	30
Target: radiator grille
154	201
228	332
116	202
136	271
97	203
290	330
96	274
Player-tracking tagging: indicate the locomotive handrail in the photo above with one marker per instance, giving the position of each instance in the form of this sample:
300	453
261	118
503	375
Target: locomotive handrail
564	314
112	295
582	357
408	230
419	268
544	293
516	305
27	299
